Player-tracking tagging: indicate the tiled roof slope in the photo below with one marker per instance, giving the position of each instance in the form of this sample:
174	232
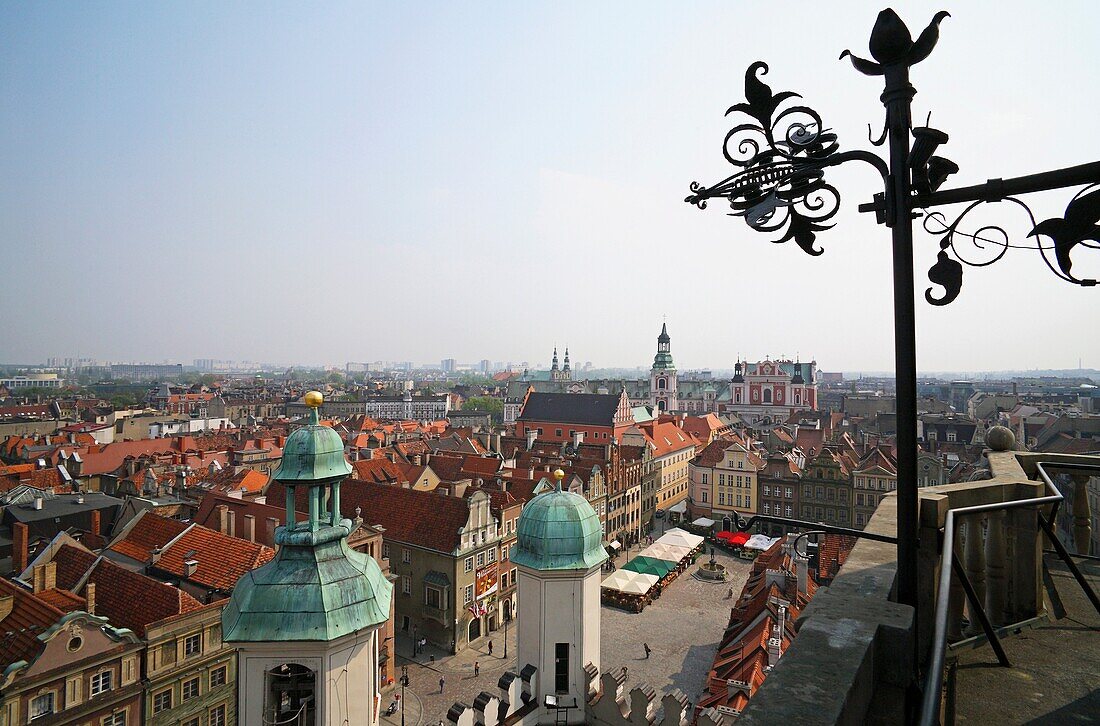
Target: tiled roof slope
126	598
425	519
19	629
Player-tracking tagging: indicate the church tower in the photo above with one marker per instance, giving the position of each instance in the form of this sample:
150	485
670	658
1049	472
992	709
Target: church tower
307	624
566	374
559	552
662	377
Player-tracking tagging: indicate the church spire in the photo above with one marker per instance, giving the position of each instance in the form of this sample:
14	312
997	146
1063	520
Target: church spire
566	366
554	367
663	359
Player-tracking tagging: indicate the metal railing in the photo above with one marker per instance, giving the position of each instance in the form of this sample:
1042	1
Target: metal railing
933	684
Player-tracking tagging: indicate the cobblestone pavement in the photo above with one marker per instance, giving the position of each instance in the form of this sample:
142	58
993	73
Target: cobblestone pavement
683	628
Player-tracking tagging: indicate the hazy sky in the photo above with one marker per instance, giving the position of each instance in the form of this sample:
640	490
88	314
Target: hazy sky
327	182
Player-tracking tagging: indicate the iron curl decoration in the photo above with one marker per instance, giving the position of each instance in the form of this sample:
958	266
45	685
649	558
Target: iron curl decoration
1077	227
781	152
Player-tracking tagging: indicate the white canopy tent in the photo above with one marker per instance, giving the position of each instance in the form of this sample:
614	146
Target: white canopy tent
664	551
760	542
630	582
703	522
680	507
680	538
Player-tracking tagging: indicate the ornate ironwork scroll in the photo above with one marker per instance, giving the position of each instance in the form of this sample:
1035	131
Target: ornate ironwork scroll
781	150
989	243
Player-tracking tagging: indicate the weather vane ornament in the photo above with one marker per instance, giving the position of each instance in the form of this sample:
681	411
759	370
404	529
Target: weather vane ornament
782	148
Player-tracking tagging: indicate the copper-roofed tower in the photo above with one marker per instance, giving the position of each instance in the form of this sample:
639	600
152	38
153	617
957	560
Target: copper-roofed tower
662	377
306	625
559	552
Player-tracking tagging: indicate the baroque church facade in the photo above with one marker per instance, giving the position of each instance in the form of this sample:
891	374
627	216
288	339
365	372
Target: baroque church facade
760	393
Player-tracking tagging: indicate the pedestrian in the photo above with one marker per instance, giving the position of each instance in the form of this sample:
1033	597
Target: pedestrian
441	682
490	647
477	669
729	595
647	650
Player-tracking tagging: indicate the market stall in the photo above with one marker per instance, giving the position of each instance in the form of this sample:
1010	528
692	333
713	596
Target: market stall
628	589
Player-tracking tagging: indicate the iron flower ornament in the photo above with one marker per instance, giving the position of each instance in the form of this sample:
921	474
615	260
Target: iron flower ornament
781	150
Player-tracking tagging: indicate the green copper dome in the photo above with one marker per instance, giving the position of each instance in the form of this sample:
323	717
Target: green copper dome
316	588
559	531
319	592
312	452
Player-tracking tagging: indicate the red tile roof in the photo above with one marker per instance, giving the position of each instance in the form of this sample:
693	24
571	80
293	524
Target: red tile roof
378	470
222	560
425	519
148	533
63	600
19	630
126	598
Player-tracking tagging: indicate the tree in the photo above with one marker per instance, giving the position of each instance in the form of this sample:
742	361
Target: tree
483	403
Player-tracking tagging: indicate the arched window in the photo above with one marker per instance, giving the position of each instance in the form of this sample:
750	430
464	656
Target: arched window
660	405
767	395
661	384
289	697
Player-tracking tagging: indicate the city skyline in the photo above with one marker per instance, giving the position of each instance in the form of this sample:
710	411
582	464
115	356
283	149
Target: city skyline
199	181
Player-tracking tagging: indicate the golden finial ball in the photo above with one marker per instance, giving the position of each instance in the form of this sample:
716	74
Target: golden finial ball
559	474
313	399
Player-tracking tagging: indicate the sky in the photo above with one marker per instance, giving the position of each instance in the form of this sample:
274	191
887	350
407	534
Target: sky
331	182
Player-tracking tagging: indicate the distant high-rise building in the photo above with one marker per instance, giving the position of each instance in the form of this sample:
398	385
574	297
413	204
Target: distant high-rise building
448	365
485	366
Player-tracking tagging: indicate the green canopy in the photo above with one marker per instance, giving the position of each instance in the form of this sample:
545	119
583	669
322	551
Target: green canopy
650	566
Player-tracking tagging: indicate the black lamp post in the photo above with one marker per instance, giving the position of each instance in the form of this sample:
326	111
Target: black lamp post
507	620
404	682
782	151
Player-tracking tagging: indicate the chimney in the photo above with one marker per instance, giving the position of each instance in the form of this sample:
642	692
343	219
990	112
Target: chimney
51	575
249	532
531	436
38	578
269	531
189	567
223	518
578	438
496	443
94	527
89	598
19	547
802	572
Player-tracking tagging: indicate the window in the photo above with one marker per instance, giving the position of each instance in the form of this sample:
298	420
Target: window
385	551
491	555
738	500
101	683
217	716
561	667
218	676
790	493
192	722
767	508
468	565
748	501
41	706
162	701
480	559
704	494
557	432
406	556
788	511
190	688
503	553
406	585
431	597
767	490
192	645
72	692
704	477
469	594
115	719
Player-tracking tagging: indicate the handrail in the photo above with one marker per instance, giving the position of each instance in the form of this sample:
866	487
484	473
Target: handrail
933	684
